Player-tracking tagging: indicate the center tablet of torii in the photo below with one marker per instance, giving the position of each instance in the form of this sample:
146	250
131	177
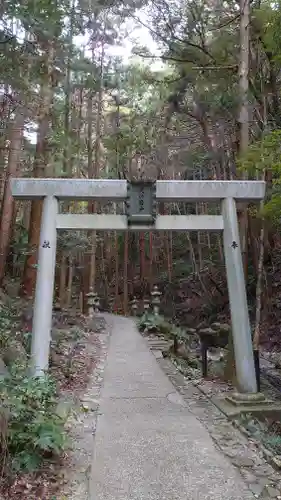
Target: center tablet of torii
141	203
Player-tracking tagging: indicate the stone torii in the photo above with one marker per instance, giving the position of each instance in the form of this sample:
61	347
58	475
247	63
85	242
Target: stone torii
226	192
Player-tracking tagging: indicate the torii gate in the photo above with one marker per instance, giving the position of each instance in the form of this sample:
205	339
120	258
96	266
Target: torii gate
141	216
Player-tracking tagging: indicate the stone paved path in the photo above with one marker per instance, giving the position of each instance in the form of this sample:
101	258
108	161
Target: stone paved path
148	444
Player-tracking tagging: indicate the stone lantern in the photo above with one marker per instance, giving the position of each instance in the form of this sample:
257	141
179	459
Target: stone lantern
96	303
111	304
146	306
155	300
134	306
93	302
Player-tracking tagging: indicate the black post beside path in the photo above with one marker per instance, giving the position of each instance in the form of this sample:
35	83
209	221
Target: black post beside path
257	368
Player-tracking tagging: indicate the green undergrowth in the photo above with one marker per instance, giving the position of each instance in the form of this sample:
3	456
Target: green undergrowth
7	315
149	323
188	367
266	431
31	431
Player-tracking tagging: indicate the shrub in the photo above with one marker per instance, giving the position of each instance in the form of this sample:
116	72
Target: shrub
152	323
158	324
34	431
5	325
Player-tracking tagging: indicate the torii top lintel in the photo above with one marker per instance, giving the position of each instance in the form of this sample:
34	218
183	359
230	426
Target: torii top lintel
115	189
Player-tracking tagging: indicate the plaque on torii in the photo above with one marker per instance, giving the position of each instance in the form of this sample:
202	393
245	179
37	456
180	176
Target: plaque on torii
141	203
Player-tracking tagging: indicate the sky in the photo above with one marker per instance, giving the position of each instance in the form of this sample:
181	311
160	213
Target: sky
139	35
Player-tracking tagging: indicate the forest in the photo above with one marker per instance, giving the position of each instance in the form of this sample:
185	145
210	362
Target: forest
197	98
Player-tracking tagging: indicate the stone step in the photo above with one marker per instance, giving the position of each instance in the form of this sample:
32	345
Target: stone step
164	345
158	342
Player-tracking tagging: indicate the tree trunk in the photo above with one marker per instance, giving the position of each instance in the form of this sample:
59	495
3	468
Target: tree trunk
62	280
244	114
94	169
12	265
69	282
142	256
89	275
259	286
97	165
125	280
151	276
256	336
40	163
67	99
116	289
8	202
5	119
